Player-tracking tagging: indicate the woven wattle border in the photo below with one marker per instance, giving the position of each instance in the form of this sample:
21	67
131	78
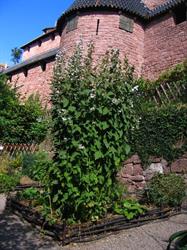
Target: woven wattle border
87	231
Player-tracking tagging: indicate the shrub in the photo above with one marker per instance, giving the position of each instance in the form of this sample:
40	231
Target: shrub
8	183
20	122
166	190
10	165
93	115
162	132
36	166
29	194
129	208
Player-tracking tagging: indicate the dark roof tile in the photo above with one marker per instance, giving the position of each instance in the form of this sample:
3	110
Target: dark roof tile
136	7
35	59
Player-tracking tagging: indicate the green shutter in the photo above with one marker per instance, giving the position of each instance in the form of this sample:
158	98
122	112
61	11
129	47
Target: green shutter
126	23
72	24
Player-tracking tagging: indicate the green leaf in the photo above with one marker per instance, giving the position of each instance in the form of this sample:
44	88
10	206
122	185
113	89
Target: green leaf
65	102
98	155
104	125
127	149
105	111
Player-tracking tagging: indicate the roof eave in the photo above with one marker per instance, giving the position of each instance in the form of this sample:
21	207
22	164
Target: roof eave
34	60
38	38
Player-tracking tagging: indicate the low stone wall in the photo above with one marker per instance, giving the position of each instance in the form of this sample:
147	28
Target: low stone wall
135	176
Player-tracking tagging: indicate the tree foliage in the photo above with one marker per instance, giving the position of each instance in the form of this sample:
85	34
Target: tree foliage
16	54
93	115
20	122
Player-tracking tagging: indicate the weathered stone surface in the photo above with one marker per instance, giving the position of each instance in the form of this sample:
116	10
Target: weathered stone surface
156	168
136	159
137	178
154	159
179	166
148	176
167	170
164	163
25	180
137	169
127	169
129	160
184	155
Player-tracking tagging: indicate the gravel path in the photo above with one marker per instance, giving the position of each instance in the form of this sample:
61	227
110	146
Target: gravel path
19	235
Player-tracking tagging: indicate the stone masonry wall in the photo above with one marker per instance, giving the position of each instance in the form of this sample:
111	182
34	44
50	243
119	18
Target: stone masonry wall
165	45
47	44
109	36
133	175
151	49
37	81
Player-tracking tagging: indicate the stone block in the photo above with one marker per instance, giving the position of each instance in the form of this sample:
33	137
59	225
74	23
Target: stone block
155	159
156	168
164	163
137	169
129	160
179	166
184	155
137	178
127	169
136	159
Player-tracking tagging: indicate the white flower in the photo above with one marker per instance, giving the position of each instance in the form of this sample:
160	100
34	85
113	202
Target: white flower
1	147
92	95
81	146
135	88
93	108
115	101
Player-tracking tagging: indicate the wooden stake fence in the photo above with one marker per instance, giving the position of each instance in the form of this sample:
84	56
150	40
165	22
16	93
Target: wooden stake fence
167	92
14	149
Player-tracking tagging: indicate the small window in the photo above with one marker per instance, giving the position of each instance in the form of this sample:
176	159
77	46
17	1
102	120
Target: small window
39	43
126	23
25	72
43	66
71	24
53	37
180	14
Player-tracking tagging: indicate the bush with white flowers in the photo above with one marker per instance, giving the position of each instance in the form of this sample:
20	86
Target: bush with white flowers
92	118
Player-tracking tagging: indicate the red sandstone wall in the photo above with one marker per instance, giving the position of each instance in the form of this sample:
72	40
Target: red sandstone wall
109	37
165	45
37	81
47	44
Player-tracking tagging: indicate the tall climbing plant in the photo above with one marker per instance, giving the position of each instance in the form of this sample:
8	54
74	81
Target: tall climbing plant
92	118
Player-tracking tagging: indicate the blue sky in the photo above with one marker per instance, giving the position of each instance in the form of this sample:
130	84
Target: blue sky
23	20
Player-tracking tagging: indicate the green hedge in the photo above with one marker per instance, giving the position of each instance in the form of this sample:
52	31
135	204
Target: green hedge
162	132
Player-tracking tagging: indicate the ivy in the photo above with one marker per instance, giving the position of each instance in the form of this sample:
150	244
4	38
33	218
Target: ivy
162	128
92	117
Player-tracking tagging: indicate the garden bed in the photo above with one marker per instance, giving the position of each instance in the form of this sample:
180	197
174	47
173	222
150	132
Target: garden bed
86	232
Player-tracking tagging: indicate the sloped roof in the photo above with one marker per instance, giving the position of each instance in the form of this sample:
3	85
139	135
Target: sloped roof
50	54
165	7
133	6
136	7
46	34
